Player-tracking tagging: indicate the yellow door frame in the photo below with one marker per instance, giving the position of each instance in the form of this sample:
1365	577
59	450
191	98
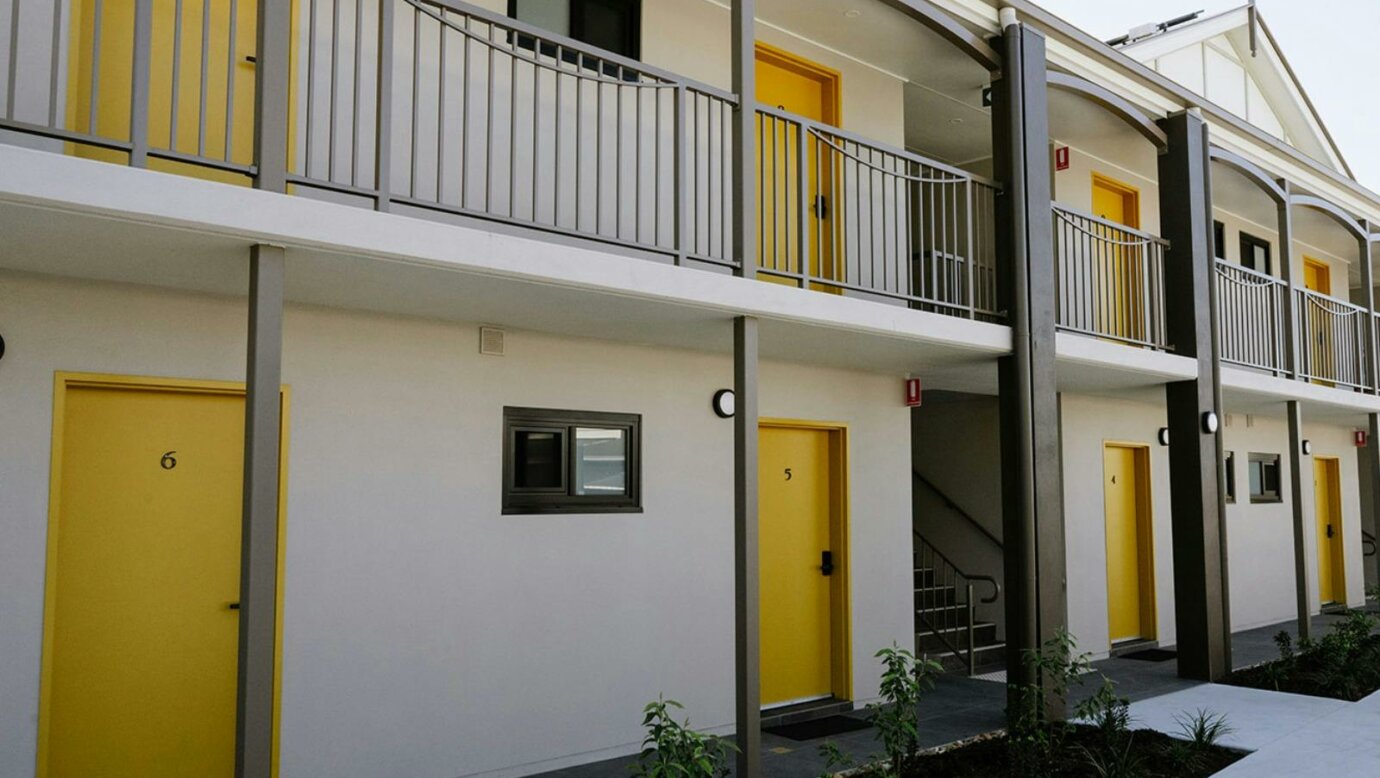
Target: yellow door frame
1130	196
64	380
1145	535
840	611
1336	548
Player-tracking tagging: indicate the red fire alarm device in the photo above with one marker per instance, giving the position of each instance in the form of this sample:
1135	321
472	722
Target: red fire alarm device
1360	438
912	393
1061	158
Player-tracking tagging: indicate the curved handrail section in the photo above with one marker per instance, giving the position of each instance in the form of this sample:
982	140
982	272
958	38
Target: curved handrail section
949	501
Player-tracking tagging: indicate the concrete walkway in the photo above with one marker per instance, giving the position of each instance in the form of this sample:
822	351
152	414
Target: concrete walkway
1340	743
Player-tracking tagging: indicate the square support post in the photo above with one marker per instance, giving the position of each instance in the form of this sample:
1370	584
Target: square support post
259	533
746	603
1371	368
1371	461
1292	350
1197	495
1032	482
744	162
271	78
1303	517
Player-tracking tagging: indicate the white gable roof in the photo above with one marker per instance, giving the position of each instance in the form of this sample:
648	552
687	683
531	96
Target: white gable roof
1213	57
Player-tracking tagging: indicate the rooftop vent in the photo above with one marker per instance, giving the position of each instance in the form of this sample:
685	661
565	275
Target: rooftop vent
1149	30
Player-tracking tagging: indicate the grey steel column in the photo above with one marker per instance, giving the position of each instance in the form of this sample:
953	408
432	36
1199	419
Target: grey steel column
746	622
1301	516
744	137
139	84
1032	483
259	535
1291	332
1368	299
1371	459
1197	496
271	109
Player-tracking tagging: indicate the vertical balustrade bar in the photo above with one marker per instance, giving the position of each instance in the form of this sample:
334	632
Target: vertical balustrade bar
440	106
414	125
331	112
204	94
803	206
54	64
383	116
12	75
357	93
176	75
229	84
681	182
97	24
139	84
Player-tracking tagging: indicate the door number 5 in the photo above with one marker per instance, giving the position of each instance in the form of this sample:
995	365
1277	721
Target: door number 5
168	461
788	474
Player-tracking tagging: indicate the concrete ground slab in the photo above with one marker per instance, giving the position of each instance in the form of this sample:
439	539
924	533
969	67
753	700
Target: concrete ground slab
1339	743
1257	718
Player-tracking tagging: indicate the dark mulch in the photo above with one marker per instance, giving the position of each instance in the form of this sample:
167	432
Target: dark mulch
818	728
1156	755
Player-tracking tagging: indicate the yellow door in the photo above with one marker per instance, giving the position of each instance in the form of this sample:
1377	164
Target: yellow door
110	76
791	83
140	642
794	510
1118	268
1327	494
1317	277
1130	582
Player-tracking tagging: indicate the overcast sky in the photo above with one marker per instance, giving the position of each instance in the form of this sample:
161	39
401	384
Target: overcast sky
1335	66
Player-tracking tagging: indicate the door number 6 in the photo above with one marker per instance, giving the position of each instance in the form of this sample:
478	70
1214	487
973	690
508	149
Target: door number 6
168	461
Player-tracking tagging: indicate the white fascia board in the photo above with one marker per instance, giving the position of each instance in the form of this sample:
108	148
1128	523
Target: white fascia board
1247	148
1186	35
1094	352
1284	389
45	179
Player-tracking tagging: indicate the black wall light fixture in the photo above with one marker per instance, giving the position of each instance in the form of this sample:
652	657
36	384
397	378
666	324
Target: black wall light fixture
724	403
1307	447
1163	436
2	346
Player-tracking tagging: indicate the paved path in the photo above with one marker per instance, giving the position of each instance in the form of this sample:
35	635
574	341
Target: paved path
1257	718
1340	743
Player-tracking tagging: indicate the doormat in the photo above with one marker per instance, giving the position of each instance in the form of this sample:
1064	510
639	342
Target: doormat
1151	655
818	728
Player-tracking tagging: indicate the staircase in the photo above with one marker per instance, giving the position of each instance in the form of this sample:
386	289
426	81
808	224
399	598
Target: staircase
946	627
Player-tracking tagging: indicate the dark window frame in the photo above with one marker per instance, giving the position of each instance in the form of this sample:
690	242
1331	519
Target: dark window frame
562	499
632	46
1230	466
1250	242
1267	463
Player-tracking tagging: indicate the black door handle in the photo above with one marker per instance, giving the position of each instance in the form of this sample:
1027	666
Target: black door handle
826	562
234	606
1329	530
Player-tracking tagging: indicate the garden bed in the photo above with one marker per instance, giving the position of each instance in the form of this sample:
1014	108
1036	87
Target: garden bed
1342	665
1084	752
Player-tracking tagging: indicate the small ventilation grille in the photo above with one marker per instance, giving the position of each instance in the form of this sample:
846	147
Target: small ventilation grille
491	341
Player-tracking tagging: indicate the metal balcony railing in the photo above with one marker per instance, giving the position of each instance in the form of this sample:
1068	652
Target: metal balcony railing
439	107
842	213
1251	318
1332	341
1110	279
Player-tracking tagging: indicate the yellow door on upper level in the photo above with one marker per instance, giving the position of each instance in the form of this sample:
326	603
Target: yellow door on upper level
1322	360
801	550
1118	267
1327	498
201	92
141	620
788	82
1130	567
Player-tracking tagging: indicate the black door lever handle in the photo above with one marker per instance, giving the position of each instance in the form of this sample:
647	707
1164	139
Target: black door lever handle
826	562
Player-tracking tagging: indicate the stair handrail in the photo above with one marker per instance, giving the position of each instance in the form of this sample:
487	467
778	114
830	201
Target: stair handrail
950	503
940	578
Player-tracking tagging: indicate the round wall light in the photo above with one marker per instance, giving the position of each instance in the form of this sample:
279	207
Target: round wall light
2	346
1210	422
724	403
1163	436
1307	447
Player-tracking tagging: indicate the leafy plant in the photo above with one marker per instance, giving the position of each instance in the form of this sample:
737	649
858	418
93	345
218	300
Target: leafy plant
1033	740
835	759
1121	761
1203	729
1109	712
672	749
897	719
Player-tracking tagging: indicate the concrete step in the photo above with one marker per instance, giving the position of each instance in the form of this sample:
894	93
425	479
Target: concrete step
805	711
984	634
987	658
935	596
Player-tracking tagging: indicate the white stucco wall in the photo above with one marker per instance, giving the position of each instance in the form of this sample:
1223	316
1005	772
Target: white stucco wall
1090	422
1260	536
425	634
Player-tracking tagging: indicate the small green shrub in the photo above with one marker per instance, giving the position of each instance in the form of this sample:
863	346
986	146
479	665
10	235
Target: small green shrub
672	749
1203	729
897	718
1033	741
835	759
1343	664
